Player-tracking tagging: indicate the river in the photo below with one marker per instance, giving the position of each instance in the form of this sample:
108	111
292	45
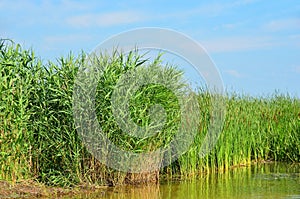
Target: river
271	180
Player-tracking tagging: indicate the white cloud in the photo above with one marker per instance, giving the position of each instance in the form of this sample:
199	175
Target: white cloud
243	2
33	13
45	5
229	26
297	69
239	43
221	7
79	5
283	24
294	36
106	19
295	39
67	38
234	73
56	43
210	9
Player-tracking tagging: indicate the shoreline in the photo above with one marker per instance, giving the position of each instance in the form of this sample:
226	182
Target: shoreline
33	189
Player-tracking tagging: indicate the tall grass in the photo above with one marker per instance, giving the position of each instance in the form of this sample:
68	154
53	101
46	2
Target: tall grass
255	129
38	137
16	90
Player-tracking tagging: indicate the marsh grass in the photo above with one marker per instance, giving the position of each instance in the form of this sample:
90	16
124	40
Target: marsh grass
38	137
255	130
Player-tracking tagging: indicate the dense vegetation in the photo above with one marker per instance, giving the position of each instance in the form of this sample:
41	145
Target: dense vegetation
38	137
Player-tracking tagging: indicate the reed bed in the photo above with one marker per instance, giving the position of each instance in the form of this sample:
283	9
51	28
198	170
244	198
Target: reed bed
255	130
38	137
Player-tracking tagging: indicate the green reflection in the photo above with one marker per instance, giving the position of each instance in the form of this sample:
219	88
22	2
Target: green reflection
270	180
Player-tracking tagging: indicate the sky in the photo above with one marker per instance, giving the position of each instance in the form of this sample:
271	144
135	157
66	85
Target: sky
255	44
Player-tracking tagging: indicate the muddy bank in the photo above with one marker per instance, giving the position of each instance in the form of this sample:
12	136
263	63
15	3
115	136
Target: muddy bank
31	189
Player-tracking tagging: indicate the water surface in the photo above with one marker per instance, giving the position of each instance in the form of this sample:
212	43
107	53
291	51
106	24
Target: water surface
272	180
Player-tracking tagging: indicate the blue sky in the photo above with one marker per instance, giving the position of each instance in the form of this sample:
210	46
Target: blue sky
254	43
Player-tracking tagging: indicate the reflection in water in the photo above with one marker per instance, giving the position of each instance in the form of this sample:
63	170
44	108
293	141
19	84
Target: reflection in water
127	192
261	181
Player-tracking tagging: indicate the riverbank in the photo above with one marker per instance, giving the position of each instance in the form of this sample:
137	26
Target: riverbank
32	189
283	177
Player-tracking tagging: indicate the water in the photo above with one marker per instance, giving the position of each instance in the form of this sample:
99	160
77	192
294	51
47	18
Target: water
272	180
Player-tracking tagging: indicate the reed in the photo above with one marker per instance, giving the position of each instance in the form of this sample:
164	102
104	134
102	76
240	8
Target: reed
255	129
39	140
